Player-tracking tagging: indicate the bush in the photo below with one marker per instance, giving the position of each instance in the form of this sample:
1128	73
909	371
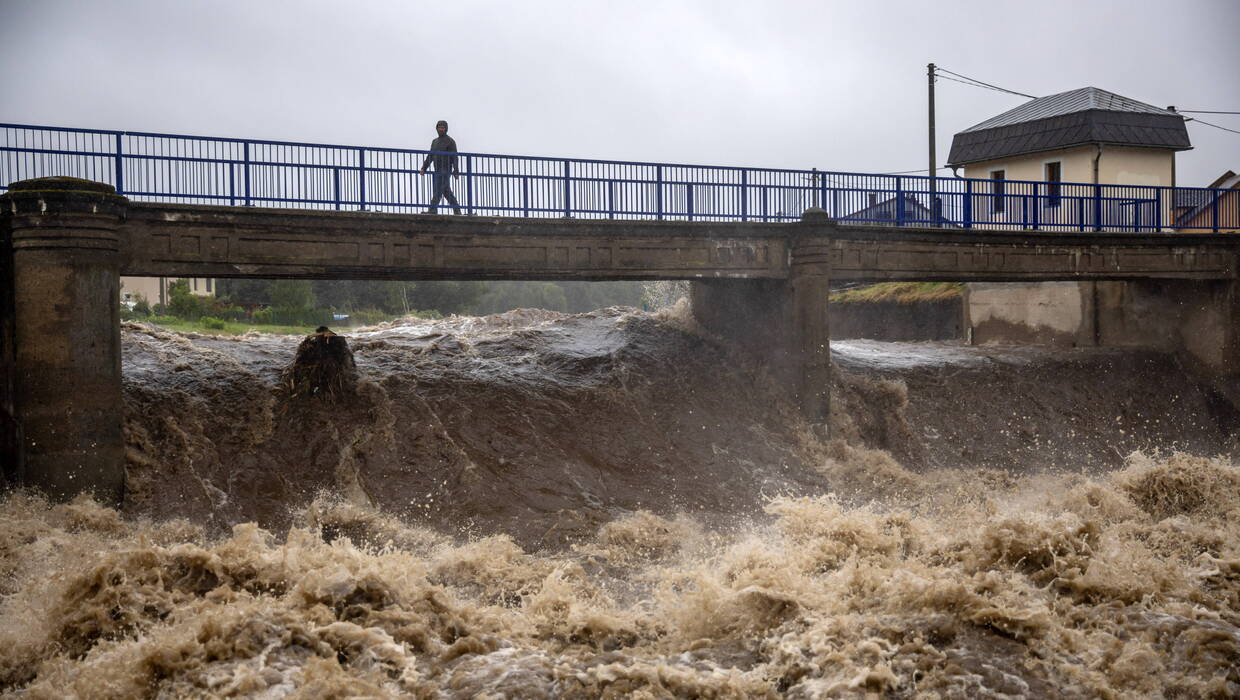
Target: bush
293	317
212	323
141	307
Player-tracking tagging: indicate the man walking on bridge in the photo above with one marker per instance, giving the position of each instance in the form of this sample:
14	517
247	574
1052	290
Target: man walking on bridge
445	165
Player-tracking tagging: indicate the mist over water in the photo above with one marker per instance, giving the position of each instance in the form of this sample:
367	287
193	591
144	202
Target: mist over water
617	505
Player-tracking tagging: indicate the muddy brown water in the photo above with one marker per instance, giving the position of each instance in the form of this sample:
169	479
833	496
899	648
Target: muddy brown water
617	505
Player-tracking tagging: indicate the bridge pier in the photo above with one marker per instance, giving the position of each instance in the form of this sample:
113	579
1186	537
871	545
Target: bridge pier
782	321
62	342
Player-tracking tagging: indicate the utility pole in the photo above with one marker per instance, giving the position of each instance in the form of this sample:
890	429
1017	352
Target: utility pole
934	165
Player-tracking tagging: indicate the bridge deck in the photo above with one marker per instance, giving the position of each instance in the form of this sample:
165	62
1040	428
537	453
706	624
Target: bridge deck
215	241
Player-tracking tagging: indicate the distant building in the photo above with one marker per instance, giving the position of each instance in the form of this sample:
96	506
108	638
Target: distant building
1201	210
888	209
155	289
1087	136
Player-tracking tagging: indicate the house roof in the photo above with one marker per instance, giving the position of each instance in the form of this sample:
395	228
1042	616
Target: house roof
1074	118
886	210
1070	102
1190	202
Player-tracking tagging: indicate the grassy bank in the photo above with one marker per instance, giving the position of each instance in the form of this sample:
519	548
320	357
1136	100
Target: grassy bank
229	327
900	293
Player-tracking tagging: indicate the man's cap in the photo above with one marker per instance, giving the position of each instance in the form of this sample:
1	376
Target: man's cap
442	123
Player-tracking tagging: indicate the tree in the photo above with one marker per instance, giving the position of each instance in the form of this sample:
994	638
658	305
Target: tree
181	303
292	295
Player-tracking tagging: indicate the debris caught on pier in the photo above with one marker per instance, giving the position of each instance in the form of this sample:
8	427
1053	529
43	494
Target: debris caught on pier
323	367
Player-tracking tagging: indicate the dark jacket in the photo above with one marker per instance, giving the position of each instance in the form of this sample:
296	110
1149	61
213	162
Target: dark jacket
443	162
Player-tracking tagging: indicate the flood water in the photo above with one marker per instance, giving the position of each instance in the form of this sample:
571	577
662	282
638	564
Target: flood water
617	505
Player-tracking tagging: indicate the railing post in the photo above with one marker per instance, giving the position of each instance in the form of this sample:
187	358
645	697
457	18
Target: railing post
968	204
361	179
689	199
1097	207
835	202
1036	214
120	166
336	187
658	192
469	185
1158	208
744	195
525	195
567	190
816	181
899	201
1214	211
611	199
232	184
246	171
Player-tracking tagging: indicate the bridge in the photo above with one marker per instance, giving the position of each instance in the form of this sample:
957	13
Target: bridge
761	273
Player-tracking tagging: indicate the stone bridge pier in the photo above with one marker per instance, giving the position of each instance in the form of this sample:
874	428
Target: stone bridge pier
782	321
62	361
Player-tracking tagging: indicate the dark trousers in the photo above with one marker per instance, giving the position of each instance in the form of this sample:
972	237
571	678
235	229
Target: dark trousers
442	184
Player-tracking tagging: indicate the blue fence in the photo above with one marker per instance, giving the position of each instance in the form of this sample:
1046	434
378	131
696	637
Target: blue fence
242	172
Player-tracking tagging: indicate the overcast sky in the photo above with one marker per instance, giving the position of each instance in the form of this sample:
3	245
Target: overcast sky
780	83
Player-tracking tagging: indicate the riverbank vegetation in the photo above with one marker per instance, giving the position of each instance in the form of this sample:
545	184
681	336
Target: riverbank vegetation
899	292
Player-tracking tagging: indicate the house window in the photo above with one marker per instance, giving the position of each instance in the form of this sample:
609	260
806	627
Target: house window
996	190
195	284
210	284
1052	184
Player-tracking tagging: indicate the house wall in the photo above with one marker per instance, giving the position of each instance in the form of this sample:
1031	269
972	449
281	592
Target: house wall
154	289
1119	165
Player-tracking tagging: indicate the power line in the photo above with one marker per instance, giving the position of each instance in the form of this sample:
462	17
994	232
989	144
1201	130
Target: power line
1216	126
978	83
909	172
1204	111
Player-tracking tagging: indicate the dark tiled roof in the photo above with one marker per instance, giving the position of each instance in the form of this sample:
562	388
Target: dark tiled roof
1070	102
1076	118
886	211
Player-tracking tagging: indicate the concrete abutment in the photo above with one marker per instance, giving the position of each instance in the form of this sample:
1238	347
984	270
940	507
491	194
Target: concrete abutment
782	322
65	367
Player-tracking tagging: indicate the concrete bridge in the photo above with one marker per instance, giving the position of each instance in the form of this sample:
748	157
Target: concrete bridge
64	243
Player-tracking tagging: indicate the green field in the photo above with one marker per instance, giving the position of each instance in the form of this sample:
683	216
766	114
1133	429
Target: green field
230	327
900	293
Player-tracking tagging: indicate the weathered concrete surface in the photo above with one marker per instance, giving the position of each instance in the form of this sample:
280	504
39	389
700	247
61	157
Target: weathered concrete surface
784	322
66	266
1197	319
205	241
1056	314
10	440
879	254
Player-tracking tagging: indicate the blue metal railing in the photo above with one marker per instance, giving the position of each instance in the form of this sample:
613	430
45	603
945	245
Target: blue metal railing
243	172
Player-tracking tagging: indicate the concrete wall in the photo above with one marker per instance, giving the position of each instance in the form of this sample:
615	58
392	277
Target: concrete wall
1197	319
890	320
10	439
1059	314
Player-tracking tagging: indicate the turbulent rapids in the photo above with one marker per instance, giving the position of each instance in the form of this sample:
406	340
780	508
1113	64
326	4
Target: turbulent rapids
617	505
